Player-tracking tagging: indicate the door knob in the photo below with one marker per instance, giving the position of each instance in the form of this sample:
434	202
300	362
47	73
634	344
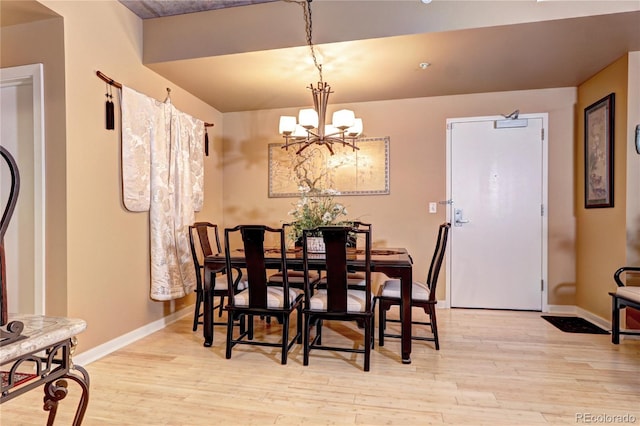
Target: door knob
458	218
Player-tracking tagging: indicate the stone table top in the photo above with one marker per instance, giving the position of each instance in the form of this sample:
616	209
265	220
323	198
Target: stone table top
41	332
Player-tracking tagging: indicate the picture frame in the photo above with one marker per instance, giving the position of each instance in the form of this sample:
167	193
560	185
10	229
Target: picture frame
364	171
598	153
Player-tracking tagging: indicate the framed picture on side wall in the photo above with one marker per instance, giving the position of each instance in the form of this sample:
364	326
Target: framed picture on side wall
598	153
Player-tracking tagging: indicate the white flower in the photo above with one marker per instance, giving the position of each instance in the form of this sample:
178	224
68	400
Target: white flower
315	208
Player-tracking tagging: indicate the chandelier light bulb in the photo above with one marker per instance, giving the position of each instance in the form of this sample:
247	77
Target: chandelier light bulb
343	119
308	118
300	132
330	130
356	129
287	125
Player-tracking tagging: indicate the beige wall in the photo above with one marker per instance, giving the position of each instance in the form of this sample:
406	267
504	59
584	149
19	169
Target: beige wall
43	42
601	232
417	172
106	253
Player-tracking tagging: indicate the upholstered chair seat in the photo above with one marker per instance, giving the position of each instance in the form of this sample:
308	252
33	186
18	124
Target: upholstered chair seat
391	288
356	301
275	297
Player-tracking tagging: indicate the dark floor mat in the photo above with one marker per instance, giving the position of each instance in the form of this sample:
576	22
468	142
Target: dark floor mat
574	325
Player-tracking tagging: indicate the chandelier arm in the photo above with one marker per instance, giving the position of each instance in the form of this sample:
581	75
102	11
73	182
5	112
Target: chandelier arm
341	141
304	146
330	148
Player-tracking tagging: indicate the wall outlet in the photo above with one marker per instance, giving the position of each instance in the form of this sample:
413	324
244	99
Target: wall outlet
433	207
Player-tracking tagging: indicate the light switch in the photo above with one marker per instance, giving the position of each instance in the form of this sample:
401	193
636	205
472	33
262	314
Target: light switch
433	207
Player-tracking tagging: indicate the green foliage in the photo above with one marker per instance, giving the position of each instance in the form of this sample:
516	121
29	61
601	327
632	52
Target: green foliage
316	208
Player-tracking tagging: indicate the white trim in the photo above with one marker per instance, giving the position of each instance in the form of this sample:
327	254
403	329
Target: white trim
579	312
33	74
599	321
545	199
105	349
561	309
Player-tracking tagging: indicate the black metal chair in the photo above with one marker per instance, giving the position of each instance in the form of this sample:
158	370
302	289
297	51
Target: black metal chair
423	295
624	297
218	279
336	301
12	200
260	299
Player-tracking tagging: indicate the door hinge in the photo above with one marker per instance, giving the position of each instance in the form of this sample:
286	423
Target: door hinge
541	285
542	210
542	134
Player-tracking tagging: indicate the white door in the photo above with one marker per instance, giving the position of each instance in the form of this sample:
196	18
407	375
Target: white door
22	134
496	188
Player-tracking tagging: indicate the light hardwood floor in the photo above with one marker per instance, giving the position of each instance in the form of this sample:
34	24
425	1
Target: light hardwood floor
494	367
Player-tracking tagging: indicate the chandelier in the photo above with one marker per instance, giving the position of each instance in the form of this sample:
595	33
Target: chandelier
312	127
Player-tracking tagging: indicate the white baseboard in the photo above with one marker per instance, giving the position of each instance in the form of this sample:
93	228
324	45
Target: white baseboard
582	313
94	354
562	309
599	321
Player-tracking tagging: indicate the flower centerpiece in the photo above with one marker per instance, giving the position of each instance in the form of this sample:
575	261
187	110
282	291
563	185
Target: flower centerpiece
315	208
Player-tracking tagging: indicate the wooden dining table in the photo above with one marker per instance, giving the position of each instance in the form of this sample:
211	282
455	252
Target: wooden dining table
393	262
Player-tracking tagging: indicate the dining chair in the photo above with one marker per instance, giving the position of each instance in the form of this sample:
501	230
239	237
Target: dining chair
219	278
296	278
625	296
336	301
355	279
260	299
423	295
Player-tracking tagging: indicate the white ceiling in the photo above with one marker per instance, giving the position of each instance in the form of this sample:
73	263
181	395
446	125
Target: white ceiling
254	57
371	50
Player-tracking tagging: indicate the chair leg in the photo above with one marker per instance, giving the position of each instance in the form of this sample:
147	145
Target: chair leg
243	324
367	344
319	332
250	327
434	325
373	330
285	339
196	314
307	331
615	321
229	333
382	314
221	306
299	325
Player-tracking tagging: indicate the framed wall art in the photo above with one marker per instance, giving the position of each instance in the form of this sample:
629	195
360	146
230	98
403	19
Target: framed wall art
598	153
364	171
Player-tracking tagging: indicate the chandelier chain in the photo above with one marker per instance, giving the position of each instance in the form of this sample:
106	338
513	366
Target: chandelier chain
312	127
306	8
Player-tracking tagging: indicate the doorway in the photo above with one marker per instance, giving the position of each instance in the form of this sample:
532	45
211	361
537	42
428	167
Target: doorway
497	206
22	134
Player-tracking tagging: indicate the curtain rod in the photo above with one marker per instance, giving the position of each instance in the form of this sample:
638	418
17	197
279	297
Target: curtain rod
114	83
